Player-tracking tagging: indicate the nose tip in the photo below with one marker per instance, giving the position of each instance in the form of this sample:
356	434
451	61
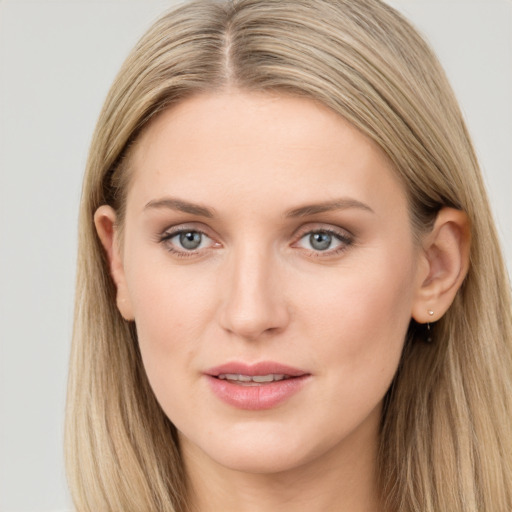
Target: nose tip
254	304
253	324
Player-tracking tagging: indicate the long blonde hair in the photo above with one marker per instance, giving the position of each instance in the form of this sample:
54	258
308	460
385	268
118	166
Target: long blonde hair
446	439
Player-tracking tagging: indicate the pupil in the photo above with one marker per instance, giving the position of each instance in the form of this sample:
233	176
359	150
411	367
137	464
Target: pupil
320	241
190	240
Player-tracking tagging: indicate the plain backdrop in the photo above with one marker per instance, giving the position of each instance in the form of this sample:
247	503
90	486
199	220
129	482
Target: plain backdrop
57	60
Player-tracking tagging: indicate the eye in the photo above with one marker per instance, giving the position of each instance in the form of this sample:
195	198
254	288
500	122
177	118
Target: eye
186	241
190	240
320	241
324	240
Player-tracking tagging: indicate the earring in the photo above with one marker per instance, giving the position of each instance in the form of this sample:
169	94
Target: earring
429	337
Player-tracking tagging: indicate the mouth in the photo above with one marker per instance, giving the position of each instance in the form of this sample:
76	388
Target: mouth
253	380
255	386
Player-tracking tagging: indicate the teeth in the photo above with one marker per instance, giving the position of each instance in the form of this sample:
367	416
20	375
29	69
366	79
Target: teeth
252	378
267	378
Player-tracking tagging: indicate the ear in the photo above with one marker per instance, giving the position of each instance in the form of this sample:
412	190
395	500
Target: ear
105	222
443	266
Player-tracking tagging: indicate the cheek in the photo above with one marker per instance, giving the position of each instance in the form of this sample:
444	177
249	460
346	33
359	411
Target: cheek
171	310
361	315
357	324
165	296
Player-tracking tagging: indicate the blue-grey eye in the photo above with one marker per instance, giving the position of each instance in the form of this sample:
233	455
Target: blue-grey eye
190	240
320	241
186	241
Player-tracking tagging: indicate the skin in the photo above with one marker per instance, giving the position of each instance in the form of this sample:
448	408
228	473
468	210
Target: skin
256	289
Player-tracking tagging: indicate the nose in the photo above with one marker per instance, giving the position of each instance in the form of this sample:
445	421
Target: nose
254	303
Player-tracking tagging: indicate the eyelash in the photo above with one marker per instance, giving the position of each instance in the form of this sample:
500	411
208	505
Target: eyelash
344	238
170	234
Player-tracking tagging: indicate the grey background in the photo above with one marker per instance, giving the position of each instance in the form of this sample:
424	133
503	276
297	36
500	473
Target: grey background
57	60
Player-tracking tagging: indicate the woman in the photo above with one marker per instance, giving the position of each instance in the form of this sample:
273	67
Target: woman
290	291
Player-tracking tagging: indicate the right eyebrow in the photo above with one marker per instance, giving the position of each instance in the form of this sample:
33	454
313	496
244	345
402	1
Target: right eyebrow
180	205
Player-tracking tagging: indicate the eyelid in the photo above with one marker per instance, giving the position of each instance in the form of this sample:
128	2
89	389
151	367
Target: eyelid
313	227
169	233
179	228
345	237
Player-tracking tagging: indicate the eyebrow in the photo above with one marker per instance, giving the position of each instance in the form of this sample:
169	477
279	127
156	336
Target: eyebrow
180	205
336	204
303	211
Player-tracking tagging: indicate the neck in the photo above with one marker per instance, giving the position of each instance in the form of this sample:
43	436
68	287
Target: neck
341	480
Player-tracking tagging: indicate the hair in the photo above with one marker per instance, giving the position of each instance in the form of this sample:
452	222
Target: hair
446	436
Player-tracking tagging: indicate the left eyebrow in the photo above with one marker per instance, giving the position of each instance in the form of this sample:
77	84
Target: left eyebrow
180	205
336	204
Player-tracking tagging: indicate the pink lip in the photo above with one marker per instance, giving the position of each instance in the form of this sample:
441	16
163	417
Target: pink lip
256	397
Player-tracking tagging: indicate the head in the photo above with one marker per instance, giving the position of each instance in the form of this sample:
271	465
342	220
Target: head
363	64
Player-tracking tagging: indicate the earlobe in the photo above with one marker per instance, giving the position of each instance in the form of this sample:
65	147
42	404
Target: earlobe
105	223
445	256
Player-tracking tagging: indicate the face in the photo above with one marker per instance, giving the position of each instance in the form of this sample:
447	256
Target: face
269	265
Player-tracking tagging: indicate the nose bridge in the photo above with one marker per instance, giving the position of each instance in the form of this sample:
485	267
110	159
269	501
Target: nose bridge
254	302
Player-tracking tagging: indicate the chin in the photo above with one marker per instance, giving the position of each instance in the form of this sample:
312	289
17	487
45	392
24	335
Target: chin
261	452
270	462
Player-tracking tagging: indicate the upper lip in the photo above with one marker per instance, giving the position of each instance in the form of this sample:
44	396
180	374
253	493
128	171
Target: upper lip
261	368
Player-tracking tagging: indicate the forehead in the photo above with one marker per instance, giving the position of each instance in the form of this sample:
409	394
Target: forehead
249	145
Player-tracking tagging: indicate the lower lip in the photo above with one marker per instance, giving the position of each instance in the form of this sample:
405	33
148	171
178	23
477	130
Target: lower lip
259	397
